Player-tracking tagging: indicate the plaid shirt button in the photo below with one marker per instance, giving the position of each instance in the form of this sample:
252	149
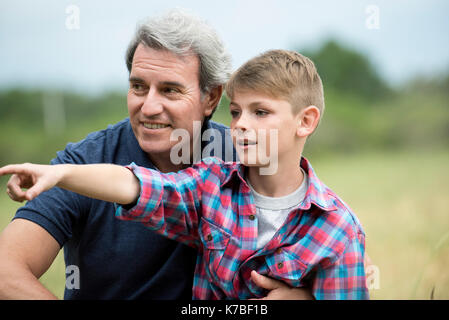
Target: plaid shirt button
209	237
280	265
251	217
278	251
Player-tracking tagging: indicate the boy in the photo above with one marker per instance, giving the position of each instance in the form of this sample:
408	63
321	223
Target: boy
282	222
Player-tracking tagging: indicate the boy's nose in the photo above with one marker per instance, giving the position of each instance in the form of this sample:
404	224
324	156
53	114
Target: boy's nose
242	123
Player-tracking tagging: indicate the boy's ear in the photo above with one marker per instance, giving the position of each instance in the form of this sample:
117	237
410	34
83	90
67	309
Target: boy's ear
212	99
309	118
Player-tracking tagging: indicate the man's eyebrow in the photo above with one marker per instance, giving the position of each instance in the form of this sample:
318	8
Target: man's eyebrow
173	84
135	79
232	103
164	83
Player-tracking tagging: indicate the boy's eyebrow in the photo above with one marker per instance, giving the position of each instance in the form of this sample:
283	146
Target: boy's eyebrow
255	104
251	105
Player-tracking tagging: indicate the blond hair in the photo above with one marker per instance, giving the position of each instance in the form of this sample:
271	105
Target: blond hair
280	74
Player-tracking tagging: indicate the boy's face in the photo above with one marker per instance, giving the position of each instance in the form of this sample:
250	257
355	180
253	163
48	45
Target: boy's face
264	129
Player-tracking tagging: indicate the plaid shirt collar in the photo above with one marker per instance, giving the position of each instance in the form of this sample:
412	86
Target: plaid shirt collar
316	193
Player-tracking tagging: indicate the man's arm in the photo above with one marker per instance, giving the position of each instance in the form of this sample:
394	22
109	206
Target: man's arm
22	262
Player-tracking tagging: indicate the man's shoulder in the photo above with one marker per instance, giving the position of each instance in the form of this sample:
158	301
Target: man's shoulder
219	142
96	146
217	126
112	131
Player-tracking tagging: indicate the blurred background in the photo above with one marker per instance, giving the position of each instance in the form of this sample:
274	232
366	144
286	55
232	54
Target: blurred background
382	144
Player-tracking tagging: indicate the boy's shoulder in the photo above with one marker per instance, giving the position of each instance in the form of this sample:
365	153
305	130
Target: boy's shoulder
218	168
334	210
344	212
218	165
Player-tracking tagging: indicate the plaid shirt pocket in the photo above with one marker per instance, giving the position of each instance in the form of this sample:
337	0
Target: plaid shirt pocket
214	241
286	267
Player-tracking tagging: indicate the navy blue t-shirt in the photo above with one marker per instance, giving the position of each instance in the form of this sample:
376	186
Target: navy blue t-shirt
116	259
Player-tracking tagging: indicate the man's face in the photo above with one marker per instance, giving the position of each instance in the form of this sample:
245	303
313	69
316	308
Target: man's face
164	95
262	128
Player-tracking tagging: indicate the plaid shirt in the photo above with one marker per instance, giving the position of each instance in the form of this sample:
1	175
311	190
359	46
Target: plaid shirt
209	206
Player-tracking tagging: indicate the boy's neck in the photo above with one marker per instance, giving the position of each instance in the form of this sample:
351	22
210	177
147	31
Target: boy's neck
287	178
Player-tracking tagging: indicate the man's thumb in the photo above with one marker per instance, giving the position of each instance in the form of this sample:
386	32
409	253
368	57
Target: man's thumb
265	282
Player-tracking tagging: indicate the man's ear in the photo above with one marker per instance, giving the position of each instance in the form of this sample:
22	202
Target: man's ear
212	99
309	118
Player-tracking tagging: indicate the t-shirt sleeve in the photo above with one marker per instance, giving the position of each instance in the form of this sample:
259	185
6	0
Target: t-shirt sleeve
57	210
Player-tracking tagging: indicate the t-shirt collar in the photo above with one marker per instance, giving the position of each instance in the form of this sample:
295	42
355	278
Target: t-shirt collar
317	192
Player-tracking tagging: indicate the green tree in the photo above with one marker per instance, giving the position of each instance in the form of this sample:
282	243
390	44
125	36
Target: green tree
348	71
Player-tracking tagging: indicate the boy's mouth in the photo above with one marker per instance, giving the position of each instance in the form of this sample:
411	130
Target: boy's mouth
246	142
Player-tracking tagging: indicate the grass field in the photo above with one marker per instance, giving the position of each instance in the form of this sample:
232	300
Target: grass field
402	202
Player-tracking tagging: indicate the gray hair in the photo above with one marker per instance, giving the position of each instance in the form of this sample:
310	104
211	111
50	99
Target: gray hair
182	33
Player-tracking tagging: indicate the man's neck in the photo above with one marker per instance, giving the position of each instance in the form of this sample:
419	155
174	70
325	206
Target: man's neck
287	178
164	164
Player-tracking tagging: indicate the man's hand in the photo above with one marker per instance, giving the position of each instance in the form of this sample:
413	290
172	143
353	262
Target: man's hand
279	290
36	178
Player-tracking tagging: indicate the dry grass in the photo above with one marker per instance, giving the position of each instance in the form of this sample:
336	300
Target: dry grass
402	201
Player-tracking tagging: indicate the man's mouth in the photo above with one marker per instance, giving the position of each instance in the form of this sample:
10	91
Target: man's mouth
155	125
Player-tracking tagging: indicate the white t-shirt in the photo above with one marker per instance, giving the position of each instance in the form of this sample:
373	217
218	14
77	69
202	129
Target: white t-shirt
271	212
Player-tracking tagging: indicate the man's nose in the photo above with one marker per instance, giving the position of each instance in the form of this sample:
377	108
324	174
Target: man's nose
153	103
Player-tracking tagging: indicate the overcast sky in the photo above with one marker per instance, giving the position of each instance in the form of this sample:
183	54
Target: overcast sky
403	38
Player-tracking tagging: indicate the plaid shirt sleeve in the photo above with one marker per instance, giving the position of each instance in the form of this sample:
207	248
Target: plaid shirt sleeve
168	203
345	278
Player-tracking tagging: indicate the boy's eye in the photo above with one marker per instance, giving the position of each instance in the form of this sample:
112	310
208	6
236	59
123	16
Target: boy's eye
261	112
234	113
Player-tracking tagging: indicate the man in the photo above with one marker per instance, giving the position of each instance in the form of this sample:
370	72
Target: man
177	69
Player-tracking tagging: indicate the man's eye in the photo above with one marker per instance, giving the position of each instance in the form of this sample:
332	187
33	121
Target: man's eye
137	87
171	90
